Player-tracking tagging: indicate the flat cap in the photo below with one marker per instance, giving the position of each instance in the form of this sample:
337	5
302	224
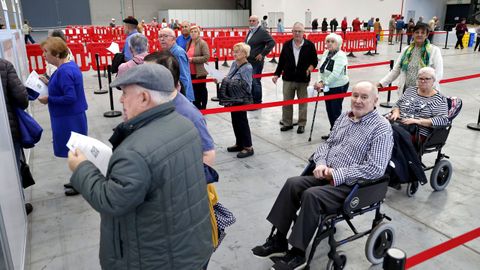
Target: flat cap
150	76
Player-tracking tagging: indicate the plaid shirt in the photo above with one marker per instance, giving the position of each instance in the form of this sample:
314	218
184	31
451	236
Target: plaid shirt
357	149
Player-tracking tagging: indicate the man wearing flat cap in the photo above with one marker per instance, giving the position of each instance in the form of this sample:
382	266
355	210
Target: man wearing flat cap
130	25
153	200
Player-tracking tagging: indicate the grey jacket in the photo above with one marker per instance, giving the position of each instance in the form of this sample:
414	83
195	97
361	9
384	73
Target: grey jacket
260	42
15	95
153	203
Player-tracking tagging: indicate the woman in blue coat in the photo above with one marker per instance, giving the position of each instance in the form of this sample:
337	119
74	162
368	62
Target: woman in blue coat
66	98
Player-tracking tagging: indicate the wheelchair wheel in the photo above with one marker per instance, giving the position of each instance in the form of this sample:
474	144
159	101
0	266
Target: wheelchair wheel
441	174
379	241
412	188
331	263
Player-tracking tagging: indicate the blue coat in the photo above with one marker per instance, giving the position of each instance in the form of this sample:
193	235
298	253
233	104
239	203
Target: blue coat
67	106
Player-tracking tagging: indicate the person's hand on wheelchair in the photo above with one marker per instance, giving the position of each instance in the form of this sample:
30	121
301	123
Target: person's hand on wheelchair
394	115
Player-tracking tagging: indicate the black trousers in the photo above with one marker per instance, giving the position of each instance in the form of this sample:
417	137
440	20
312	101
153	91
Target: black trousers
477	44
334	106
200	92
459	41
243	138
314	197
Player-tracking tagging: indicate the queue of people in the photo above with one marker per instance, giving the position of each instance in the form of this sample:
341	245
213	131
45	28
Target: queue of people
166	181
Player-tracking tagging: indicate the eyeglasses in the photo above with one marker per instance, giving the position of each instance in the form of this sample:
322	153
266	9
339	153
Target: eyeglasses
297	31
252	20
164	36
424	79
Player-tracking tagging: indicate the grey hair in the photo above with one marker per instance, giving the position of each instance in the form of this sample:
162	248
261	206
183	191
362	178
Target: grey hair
368	84
429	71
159	97
138	43
337	38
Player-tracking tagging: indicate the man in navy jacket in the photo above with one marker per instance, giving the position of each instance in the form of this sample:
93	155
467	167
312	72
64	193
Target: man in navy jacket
297	60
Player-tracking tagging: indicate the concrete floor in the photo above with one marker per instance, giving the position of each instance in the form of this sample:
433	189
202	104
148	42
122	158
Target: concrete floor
64	231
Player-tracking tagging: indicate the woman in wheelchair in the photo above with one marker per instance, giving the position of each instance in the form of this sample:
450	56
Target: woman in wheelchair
421	107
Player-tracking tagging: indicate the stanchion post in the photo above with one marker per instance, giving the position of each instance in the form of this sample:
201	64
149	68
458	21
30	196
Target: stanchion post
388	104
218	88
475	126
395	259
112	112
401	42
99	91
225	64
446	42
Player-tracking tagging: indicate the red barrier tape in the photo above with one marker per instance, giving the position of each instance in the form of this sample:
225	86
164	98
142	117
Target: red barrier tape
312	99
282	103
315	70
441	248
456	79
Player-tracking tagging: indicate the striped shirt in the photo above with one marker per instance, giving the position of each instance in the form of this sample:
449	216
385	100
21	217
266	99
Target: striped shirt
413	105
357	149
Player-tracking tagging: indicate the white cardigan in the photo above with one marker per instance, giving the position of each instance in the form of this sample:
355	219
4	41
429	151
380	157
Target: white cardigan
436	62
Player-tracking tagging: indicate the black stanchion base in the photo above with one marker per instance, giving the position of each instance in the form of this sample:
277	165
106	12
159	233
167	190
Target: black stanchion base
387	104
111	114
474	126
368	53
99	92
215	99
351	54
446	48
274	61
225	64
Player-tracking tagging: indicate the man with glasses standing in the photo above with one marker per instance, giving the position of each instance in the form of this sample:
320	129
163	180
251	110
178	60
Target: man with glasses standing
167	41
261	43
297	61
185	37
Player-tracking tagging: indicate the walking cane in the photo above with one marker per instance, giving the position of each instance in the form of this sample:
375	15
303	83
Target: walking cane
313	120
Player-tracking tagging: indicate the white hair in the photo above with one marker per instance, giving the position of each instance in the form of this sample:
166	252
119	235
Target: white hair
429	71
159	97
337	38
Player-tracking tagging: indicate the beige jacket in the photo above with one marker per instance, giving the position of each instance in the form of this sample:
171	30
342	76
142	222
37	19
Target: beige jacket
200	56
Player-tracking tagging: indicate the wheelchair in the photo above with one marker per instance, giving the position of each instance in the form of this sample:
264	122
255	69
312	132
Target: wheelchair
442	168
366	196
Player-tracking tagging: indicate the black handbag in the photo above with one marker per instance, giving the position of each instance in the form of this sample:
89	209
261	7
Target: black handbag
118	59
234	91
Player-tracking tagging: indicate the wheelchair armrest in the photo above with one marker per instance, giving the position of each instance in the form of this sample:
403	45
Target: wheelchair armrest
368	182
365	193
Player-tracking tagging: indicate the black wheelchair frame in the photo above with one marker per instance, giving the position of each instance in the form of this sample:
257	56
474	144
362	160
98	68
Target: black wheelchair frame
366	196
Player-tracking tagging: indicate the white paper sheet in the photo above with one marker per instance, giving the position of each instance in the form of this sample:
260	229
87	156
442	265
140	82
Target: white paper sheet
114	48
33	82
95	151
215	73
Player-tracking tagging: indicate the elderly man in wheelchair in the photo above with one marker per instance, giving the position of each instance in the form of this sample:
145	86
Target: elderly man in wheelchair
359	147
426	115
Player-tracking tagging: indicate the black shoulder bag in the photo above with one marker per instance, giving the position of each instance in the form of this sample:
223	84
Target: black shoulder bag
234	91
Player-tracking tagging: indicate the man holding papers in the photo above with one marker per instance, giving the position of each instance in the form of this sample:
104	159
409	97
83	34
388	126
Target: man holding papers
153	200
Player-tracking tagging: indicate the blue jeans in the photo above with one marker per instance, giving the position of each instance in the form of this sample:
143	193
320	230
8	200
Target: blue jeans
257	83
334	106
